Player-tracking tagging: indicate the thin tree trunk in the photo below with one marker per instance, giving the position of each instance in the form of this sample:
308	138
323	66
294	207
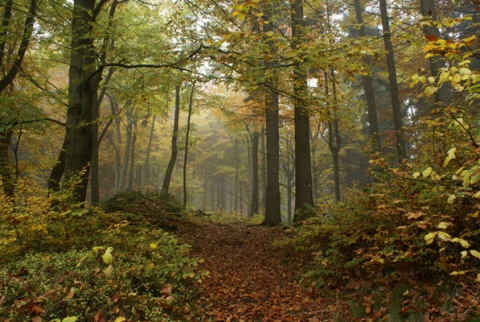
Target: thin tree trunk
173	157
254	192
187	137
131	175
237	166
392	77
5	166
368	87
303	169
146	166
437	62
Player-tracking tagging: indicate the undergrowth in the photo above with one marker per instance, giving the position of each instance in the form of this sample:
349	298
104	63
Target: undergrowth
62	261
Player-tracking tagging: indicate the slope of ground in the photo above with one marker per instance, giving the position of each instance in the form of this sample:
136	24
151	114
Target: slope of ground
249	280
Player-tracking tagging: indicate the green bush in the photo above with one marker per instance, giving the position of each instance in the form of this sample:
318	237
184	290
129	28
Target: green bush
419	222
150	278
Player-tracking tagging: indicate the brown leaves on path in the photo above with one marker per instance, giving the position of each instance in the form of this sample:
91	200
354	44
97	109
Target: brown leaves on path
249	279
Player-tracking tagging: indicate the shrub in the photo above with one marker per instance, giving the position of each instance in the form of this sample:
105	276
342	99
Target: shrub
147	279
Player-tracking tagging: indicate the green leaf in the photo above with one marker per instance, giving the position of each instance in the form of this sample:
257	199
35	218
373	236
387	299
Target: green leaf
70	319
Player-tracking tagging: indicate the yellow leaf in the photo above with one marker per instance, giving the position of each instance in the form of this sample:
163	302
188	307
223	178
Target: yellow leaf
429	238
416	175
444	236
96	249
464	253
476	194
107	271
451	199
478	278
70	319
427	172
443	225
463	242
153	246
458	273
107	257
120	319
475	253
450	156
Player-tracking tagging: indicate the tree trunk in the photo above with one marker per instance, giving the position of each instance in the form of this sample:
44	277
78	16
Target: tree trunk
368	87
146	166
187	137
8	76
437	62
334	142
82	96
173	157
392	77
5	166
303	171
131	175
273	214
254	192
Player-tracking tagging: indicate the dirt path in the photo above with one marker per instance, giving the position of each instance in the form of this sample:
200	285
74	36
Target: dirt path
249	280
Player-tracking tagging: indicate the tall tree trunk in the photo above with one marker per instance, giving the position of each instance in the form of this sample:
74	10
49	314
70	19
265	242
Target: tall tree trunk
5	165
303	169
437	62
131	175
392	77
368	86
334	142
237	166
187	138
82	95
173	157
123	182
254	192
8	76
273	214
146	166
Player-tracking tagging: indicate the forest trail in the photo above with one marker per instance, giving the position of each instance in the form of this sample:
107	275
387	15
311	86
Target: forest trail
249	279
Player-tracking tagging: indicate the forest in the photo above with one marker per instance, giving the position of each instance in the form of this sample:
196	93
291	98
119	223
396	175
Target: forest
239	160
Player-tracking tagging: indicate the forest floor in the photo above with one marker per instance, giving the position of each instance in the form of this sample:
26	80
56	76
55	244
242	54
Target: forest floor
250	280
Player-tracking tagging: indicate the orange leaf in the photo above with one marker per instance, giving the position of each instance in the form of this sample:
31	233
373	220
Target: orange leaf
431	37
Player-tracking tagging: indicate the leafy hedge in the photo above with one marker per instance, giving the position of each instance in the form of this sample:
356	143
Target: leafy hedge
149	278
418	222
64	262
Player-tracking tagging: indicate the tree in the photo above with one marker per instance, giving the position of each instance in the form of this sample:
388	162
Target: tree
392	78
272	203
368	89
303	168
174	144
11	65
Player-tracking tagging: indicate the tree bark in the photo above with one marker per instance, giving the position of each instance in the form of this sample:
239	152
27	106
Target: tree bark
368	86
187	137
437	62
273	215
254	191
7	80
131	174
146	166
173	157
303	169
392	77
